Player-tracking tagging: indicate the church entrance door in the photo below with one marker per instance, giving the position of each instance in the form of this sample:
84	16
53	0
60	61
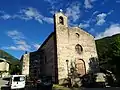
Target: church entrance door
80	65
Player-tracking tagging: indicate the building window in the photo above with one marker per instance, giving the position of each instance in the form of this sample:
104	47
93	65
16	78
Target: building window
61	20
78	49
77	35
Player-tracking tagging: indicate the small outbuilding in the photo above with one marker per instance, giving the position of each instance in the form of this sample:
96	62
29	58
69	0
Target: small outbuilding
4	67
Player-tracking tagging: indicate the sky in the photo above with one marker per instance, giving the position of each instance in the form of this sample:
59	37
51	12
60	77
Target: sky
25	24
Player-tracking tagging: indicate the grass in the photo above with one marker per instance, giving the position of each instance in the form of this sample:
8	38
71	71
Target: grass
59	87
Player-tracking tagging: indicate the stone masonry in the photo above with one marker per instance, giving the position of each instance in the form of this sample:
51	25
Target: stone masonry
25	64
64	47
67	38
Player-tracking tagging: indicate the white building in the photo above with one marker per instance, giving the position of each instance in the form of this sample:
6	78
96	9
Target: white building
4	67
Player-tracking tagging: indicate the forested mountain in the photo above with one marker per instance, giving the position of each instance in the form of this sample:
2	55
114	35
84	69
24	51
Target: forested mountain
7	56
14	62
109	53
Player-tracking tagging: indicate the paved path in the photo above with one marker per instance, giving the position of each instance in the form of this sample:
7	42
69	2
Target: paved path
72	89
90	89
2	83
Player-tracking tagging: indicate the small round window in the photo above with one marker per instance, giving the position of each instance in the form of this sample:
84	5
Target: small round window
78	49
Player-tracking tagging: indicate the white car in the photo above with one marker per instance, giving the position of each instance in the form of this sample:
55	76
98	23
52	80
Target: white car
16	81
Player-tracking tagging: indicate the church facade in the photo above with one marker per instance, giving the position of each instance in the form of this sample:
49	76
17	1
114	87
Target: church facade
65	48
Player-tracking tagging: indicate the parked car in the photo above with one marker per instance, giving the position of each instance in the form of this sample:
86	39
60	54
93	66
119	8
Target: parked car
16	81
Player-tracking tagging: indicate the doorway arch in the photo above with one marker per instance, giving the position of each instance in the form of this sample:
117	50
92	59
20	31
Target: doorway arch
81	68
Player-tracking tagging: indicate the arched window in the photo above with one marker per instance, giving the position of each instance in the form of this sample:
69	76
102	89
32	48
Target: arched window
78	49
77	35
61	20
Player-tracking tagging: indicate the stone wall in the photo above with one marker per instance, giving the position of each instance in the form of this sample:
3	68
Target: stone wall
4	65
67	38
34	67
48	58
25	64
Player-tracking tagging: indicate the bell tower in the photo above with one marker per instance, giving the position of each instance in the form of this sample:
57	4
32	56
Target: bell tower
61	40
60	19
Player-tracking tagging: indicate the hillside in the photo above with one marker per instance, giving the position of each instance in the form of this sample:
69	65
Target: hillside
109	53
14	62
8	57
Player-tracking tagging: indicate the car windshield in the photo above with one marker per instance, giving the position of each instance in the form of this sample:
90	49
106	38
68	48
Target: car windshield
19	79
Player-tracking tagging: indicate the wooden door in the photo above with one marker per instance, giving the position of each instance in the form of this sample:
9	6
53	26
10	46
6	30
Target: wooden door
80	64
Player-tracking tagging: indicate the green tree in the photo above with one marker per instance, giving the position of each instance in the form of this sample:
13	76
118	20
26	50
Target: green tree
109	53
115	50
15	69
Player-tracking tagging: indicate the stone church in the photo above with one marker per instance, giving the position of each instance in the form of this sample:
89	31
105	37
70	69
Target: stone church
64	48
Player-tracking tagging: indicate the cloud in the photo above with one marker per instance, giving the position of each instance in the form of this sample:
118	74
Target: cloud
18	48
93	0
91	18
110	12
22	45
88	4
32	13
28	14
73	11
11	48
36	46
19	41
6	16
53	4
91	30
113	29
86	25
50	1
48	20
117	1
14	34
101	18
95	12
